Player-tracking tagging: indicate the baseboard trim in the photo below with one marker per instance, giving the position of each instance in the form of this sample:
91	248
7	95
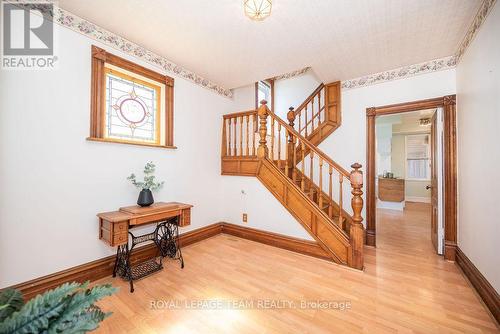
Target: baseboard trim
488	293
301	246
101	268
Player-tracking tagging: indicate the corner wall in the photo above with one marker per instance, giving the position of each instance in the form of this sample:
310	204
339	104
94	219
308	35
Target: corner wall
478	118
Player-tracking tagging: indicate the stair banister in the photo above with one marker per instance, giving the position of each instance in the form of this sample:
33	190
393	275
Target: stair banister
355	177
339	233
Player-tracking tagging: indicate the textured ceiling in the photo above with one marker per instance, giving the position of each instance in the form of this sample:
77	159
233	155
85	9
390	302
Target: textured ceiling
339	39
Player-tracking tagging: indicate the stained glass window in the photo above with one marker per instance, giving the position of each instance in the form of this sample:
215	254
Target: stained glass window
129	103
132	108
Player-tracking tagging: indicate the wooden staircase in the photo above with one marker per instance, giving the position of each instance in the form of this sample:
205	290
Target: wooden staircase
319	115
308	183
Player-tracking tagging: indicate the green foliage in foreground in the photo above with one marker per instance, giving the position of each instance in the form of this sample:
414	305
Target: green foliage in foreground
68	308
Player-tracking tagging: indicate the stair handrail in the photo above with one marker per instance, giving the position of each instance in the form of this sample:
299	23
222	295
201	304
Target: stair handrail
311	146
298	110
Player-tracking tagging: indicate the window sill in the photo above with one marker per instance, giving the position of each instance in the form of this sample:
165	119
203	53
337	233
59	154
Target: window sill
107	140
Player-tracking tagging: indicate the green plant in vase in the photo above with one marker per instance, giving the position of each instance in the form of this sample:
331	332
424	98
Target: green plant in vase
147	186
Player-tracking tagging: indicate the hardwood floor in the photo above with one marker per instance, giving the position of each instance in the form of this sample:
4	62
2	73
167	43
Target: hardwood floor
404	288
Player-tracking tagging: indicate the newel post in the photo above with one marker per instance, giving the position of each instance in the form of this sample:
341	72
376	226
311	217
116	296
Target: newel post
262	112
356	232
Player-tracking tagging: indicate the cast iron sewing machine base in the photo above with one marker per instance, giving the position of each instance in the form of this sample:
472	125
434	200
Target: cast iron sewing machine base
166	238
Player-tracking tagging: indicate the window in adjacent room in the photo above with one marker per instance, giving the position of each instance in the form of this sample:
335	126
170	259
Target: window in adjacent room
264	91
418	157
130	104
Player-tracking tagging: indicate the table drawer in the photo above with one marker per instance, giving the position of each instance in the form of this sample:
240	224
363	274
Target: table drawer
155	217
119	239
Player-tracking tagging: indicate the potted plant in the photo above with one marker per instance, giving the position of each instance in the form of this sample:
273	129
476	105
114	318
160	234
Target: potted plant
69	308
147	186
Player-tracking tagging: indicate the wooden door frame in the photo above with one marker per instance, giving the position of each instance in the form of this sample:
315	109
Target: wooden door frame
448	103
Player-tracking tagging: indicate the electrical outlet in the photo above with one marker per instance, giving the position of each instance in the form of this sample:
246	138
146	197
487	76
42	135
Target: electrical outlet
245	218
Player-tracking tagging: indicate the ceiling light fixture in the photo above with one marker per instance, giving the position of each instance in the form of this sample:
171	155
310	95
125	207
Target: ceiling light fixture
257	10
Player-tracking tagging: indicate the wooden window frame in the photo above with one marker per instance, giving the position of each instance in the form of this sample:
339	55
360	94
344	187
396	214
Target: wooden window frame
257	102
100	57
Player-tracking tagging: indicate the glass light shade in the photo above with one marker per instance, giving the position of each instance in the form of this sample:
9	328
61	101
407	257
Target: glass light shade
257	10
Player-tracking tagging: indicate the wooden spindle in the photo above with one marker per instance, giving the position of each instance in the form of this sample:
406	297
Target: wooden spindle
356	232
320	201
235	146
272	139
294	166
286	153
229	139
313	116
223	150
291	142
241	134
263	151
319	106
279	145
330	191
311	155
341	180
247	136
254	127
300	123
305	121
302	181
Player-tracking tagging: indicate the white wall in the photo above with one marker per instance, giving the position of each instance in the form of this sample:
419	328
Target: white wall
54	181
244	98
264	211
348	143
478	118
292	92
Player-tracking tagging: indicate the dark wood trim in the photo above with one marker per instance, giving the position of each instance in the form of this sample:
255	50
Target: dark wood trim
487	292
407	106
450	176
256	95
301	246
100	57
371	234
101	268
448	103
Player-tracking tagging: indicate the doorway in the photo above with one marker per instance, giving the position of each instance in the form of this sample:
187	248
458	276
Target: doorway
409	174
449	183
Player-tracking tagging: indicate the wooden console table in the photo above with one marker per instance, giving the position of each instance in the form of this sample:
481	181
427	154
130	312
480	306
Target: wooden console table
115	226
391	190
